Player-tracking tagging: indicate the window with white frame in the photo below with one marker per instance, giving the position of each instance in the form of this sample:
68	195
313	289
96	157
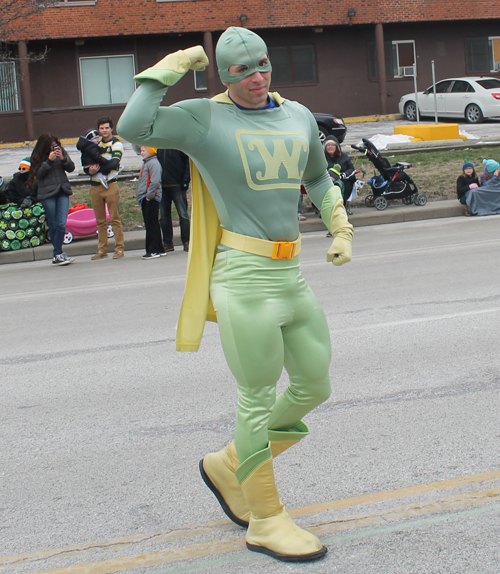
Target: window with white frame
200	80
403	58
483	54
107	79
399	56
9	97
494	49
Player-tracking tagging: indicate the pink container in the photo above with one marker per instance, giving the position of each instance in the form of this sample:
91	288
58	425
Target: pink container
83	222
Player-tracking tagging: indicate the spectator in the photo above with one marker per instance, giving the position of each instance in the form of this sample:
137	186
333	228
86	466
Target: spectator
111	148
174	182
91	155
49	164
3	197
17	191
149	196
335	157
465	182
490	166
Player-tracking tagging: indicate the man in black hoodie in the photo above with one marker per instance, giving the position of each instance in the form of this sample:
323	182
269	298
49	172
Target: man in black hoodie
174	183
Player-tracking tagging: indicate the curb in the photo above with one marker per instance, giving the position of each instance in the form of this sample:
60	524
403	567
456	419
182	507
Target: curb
361	217
374	118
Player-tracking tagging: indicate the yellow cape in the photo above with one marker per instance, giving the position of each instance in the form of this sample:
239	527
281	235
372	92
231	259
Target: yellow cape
205	237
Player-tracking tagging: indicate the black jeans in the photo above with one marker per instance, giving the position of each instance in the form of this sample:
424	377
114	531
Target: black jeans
176	194
150	210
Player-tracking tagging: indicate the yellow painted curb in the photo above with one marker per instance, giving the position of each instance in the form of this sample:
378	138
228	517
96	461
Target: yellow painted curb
375	118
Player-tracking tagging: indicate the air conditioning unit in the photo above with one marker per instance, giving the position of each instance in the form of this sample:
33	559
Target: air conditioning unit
408	71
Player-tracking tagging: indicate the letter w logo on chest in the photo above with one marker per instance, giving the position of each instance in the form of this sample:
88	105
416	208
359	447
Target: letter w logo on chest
272	160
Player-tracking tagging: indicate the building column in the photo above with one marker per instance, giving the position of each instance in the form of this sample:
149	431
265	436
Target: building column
211	78
382	77
22	51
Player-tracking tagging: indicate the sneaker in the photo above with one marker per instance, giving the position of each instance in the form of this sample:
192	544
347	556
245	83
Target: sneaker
186	246
163	253
66	258
102	178
60	260
301	217
118	254
150	256
329	234
99	255
168	248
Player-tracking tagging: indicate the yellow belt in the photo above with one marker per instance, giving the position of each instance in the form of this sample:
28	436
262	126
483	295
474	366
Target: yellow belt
272	249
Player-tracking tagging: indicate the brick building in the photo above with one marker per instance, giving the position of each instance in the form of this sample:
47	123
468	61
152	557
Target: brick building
346	58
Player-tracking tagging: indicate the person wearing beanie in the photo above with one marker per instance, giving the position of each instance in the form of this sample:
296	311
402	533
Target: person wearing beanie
18	191
335	156
88	146
148	195
485	200
250	150
466	181
490	166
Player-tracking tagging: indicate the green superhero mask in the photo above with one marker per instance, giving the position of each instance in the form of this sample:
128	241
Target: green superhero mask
242	47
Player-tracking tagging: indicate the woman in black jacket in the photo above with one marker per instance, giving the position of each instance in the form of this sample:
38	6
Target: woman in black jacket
49	164
335	156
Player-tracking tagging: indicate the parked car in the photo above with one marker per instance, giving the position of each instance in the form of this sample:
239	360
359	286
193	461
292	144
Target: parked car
471	98
330	126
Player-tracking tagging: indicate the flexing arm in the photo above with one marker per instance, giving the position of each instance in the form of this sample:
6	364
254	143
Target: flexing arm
180	126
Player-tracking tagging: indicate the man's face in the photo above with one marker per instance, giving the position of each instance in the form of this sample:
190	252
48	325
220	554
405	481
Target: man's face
106	131
252	91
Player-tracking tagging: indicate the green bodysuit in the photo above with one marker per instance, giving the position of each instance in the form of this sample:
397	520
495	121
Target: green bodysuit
253	162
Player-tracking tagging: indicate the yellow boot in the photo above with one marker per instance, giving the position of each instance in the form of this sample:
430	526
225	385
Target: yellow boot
271	529
217	470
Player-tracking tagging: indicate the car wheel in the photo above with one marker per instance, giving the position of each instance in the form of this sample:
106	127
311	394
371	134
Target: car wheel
323	134
473	114
410	111
68	237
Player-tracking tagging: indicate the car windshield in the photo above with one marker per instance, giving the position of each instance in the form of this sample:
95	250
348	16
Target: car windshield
489	84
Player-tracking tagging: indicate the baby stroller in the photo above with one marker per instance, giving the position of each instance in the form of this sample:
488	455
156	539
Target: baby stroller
392	183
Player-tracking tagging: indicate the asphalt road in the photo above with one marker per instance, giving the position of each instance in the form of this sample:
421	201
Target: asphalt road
103	423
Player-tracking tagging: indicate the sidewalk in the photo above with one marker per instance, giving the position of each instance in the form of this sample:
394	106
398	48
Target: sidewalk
362	216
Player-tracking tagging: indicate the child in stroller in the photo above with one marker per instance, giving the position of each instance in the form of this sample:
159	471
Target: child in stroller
392	183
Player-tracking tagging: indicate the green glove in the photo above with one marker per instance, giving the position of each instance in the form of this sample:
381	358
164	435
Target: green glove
173	67
340	251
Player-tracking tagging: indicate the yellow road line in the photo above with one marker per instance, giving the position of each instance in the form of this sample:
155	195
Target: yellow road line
400	493
205	549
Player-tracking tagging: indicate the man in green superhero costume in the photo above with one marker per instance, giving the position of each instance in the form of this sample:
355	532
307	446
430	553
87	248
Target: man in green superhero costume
250	151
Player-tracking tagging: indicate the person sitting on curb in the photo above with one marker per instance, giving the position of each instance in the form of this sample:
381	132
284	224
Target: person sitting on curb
490	165
465	182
